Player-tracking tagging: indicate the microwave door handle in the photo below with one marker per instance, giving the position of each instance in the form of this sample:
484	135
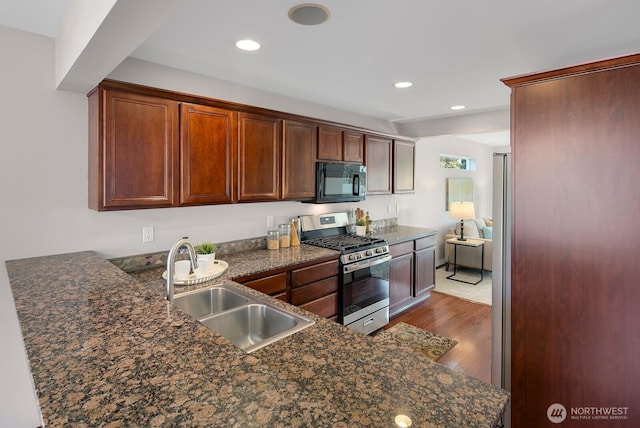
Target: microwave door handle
356	185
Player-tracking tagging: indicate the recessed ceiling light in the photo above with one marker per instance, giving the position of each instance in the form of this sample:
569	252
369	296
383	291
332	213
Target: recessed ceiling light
309	14
248	45
458	107
403	84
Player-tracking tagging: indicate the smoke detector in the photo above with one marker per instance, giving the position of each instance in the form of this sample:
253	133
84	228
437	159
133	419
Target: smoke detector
309	14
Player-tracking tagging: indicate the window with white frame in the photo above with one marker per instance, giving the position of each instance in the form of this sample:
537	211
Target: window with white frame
457	162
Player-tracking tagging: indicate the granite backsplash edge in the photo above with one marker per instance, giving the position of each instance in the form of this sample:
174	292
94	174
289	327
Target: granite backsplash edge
140	262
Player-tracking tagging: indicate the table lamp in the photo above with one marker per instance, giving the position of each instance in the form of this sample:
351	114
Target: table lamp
460	211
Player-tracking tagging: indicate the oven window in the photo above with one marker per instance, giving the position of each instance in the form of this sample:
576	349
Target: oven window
365	287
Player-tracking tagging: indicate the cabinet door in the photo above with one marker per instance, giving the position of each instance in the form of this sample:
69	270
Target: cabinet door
378	161
329	143
299	160
273	285
353	147
137	161
259	139
425	266
400	282
314	273
314	291
403	166
207	146
326	306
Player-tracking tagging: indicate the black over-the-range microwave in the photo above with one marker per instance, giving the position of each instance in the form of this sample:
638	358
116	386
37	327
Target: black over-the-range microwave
340	182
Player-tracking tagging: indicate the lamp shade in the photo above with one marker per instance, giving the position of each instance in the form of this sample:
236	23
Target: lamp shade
462	210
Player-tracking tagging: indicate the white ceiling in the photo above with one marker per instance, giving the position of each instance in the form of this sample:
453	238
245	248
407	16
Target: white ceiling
455	52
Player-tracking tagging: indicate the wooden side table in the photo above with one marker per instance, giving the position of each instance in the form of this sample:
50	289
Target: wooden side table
467	243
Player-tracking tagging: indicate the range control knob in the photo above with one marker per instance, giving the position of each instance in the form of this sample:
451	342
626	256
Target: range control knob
351	257
369	253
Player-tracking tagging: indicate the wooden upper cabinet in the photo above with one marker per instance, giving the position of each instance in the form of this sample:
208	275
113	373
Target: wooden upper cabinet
133	151
337	144
329	143
353	147
404	166
207	146
299	158
378	162
153	148
259	139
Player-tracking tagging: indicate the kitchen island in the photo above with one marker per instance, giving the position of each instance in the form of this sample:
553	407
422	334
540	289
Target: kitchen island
106	349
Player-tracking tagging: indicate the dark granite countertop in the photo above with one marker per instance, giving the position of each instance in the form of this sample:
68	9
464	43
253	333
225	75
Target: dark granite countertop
106	349
397	234
246	263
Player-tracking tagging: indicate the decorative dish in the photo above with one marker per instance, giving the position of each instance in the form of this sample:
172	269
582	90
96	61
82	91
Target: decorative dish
217	269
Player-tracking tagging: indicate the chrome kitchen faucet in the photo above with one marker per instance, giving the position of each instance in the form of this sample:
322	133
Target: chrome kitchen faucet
171	259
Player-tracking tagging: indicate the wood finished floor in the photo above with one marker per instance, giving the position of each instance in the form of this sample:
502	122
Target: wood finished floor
468	323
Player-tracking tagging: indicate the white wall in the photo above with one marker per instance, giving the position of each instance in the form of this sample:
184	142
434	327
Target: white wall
427	207
43	182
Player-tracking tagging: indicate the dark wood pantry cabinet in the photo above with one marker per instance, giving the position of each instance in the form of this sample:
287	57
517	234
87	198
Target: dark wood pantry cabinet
575	295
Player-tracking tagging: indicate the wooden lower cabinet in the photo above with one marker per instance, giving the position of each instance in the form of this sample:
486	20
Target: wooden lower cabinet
326	306
425	266
313	287
411	273
273	285
400	277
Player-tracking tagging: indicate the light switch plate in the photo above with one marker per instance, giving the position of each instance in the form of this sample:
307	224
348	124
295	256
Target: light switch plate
147	234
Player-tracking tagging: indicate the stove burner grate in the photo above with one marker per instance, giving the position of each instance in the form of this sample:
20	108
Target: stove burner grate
346	243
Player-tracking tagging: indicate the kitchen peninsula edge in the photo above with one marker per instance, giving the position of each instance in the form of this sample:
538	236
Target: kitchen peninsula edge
105	347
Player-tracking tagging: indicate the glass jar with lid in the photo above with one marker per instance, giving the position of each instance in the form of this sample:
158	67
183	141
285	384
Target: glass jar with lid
285	235
273	239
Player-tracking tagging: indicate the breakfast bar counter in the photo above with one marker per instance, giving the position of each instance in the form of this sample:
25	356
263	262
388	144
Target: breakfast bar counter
108	350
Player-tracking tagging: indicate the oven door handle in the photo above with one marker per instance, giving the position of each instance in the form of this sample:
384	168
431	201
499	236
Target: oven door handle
366	263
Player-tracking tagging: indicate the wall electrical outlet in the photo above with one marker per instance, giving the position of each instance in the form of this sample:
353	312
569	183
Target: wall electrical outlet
269	221
397	208
147	234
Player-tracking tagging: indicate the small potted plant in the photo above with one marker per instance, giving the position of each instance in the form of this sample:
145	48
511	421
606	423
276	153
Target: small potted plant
206	252
361	226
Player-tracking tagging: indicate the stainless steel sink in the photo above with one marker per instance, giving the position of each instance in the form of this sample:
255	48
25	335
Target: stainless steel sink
209	301
253	326
247	321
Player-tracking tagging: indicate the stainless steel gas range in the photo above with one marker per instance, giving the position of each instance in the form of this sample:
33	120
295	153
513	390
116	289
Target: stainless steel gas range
363	302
